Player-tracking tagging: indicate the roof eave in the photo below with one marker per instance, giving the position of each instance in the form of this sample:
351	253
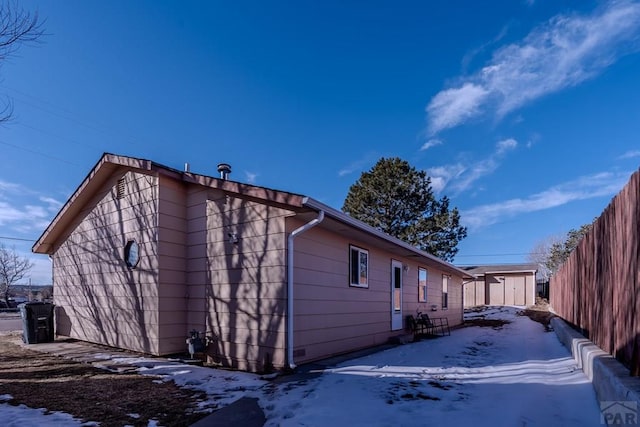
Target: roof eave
108	163
342	217
48	238
247	190
509	272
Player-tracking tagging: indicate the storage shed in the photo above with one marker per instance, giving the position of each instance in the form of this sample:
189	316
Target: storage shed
506	284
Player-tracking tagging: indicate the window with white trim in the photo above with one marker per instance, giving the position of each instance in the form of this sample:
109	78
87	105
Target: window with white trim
445	291
422	284
358	267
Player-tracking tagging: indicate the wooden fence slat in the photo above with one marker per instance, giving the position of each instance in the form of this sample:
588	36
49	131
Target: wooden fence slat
597	289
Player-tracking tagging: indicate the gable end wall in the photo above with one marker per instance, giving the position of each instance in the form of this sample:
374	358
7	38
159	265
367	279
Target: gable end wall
97	297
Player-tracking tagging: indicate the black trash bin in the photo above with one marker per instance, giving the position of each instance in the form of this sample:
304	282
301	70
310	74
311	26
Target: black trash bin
37	322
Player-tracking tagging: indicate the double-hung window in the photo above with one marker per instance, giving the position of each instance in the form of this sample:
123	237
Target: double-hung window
422	284
358	267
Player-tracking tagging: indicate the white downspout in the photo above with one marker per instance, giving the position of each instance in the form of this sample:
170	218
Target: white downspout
292	236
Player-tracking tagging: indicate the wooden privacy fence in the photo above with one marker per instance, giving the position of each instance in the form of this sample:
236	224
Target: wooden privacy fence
598	288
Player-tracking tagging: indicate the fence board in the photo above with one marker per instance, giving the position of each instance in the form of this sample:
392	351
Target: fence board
597	289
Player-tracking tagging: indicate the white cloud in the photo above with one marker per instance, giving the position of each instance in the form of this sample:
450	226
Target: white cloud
24	217
35	212
469	56
506	145
357	165
475	172
452	107
533	140
430	144
250	177
586	187
8	186
442	175
561	53
9	213
630	154
460	176
348	170
53	205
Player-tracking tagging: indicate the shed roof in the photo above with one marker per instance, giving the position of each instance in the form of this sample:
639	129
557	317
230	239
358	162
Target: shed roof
110	163
480	270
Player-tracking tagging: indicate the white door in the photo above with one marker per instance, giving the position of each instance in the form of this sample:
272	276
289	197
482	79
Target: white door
396	295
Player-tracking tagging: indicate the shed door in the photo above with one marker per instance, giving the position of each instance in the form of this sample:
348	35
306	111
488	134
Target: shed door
519	290
496	289
509	290
396	295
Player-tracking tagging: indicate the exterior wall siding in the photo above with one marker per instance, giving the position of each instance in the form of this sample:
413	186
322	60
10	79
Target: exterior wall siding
172	262
331	317
243	300
474	293
196	248
98	298
531	292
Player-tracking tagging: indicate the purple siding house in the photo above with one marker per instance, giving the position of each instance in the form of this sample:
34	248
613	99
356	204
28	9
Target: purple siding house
143	253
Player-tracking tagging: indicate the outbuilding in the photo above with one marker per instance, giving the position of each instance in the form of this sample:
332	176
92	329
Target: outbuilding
506	284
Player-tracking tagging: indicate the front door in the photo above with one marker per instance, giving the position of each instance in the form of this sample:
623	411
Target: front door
396	295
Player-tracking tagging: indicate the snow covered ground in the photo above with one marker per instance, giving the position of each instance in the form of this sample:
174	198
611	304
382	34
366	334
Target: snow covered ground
20	416
515	376
518	375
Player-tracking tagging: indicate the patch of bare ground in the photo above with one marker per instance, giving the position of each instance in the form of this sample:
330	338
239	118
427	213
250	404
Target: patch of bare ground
476	309
539	313
88	393
485	323
475	316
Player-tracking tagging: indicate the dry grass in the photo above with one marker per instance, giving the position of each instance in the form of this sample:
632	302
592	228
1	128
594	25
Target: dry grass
480	319
539	313
486	323
41	380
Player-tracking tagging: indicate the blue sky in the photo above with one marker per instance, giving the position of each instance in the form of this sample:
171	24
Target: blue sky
524	113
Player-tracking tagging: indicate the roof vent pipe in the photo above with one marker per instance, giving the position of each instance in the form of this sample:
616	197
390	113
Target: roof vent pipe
225	170
187	168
